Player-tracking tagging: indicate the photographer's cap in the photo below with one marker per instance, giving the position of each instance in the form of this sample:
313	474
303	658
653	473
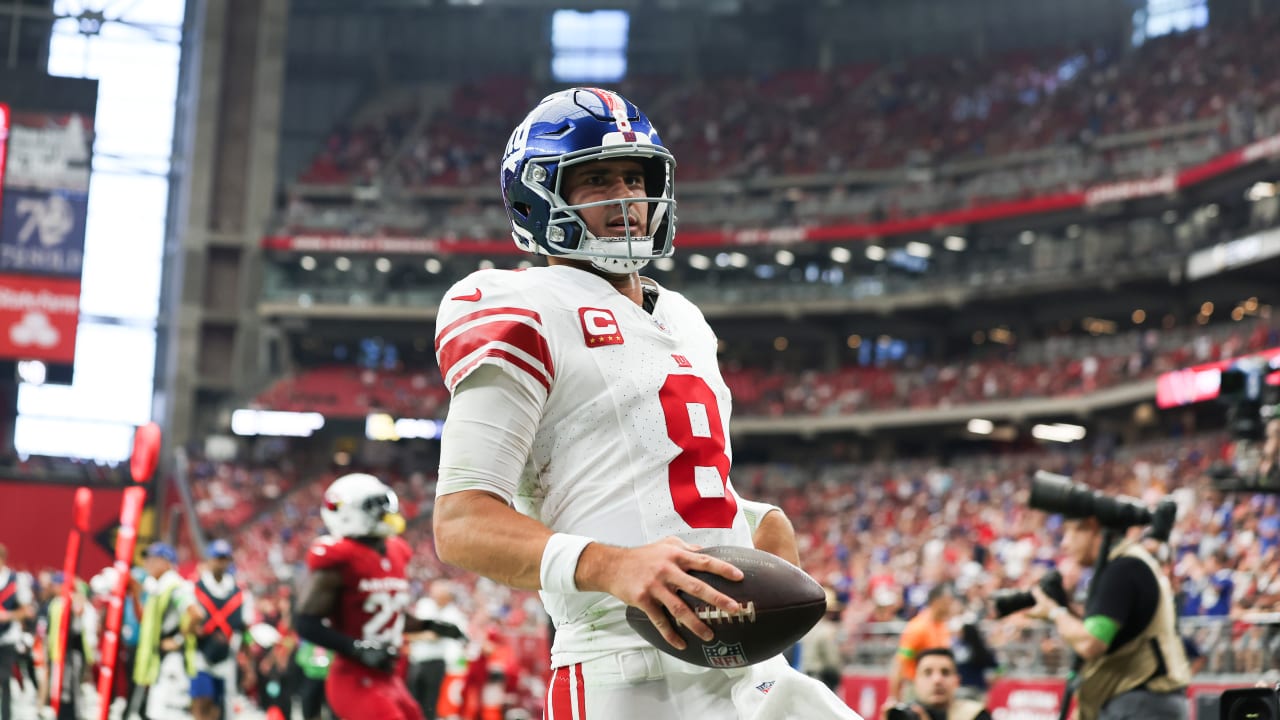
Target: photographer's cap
218	549
162	550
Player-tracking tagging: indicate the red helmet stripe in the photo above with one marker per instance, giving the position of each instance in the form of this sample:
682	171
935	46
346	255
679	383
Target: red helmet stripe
617	108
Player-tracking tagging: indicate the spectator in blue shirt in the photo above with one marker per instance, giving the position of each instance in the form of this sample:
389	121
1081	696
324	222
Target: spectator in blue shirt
1217	587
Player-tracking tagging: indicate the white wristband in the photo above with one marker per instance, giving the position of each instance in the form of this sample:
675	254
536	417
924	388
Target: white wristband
560	562
1056	612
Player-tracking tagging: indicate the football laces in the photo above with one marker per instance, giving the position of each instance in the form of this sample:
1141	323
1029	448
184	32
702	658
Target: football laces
713	615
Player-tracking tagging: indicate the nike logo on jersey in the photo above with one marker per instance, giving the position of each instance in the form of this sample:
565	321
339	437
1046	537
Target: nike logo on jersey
473	297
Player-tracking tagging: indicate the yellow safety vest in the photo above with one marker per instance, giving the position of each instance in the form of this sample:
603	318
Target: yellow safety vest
55	625
146	664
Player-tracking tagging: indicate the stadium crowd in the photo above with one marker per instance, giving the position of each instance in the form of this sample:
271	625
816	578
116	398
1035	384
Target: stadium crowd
968	131
1061	365
880	534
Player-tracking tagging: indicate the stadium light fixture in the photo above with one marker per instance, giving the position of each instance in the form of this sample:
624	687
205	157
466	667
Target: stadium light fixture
698	261
955	243
343	264
486	264
841	254
274	423
665	264
915	248
307	262
739	260
1139	316
784	257
979	426
1098	326
722	259
875	253
1058	432
1026	237
1260	191
382	264
433	266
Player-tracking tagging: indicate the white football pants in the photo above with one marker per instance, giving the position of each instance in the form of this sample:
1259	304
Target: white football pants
650	685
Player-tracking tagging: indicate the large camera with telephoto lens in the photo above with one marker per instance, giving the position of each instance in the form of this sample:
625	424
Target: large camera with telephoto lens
1007	602
1057	494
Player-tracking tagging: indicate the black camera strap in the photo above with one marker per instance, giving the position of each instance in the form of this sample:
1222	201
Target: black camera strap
1077	664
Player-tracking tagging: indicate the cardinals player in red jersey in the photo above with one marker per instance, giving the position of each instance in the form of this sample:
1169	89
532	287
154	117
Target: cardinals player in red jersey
356	601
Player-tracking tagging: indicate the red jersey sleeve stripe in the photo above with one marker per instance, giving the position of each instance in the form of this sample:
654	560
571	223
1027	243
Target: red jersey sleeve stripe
452	379
498	333
480	314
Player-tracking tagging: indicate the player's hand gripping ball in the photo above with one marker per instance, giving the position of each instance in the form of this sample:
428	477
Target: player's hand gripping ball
780	604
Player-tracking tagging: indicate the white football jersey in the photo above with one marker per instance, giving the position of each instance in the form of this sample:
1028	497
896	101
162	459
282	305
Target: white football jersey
633	442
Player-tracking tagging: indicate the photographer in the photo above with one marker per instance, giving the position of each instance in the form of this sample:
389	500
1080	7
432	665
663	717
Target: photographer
937	679
930	628
1134	663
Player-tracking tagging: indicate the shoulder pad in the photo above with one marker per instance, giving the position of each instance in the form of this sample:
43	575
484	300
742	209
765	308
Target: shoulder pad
487	319
327	552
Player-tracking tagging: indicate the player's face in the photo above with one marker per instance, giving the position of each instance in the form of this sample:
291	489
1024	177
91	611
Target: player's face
608	180
936	680
219	565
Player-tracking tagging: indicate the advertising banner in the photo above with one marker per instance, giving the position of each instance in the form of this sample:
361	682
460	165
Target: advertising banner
43	232
39	538
49	151
864	693
42	225
1200	382
1029	699
38	318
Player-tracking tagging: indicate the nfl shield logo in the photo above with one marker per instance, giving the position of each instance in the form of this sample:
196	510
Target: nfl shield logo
723	655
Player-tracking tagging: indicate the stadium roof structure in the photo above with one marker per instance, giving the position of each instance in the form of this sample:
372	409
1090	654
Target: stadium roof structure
720	7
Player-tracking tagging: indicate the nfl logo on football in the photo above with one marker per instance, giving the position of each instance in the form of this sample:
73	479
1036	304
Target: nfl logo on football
723	655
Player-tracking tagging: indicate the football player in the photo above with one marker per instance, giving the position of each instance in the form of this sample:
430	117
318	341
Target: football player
355	602
586	453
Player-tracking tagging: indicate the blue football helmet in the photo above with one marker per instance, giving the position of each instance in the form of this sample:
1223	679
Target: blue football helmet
575	126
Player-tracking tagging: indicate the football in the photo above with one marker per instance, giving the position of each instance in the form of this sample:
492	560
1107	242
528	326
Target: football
780	602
